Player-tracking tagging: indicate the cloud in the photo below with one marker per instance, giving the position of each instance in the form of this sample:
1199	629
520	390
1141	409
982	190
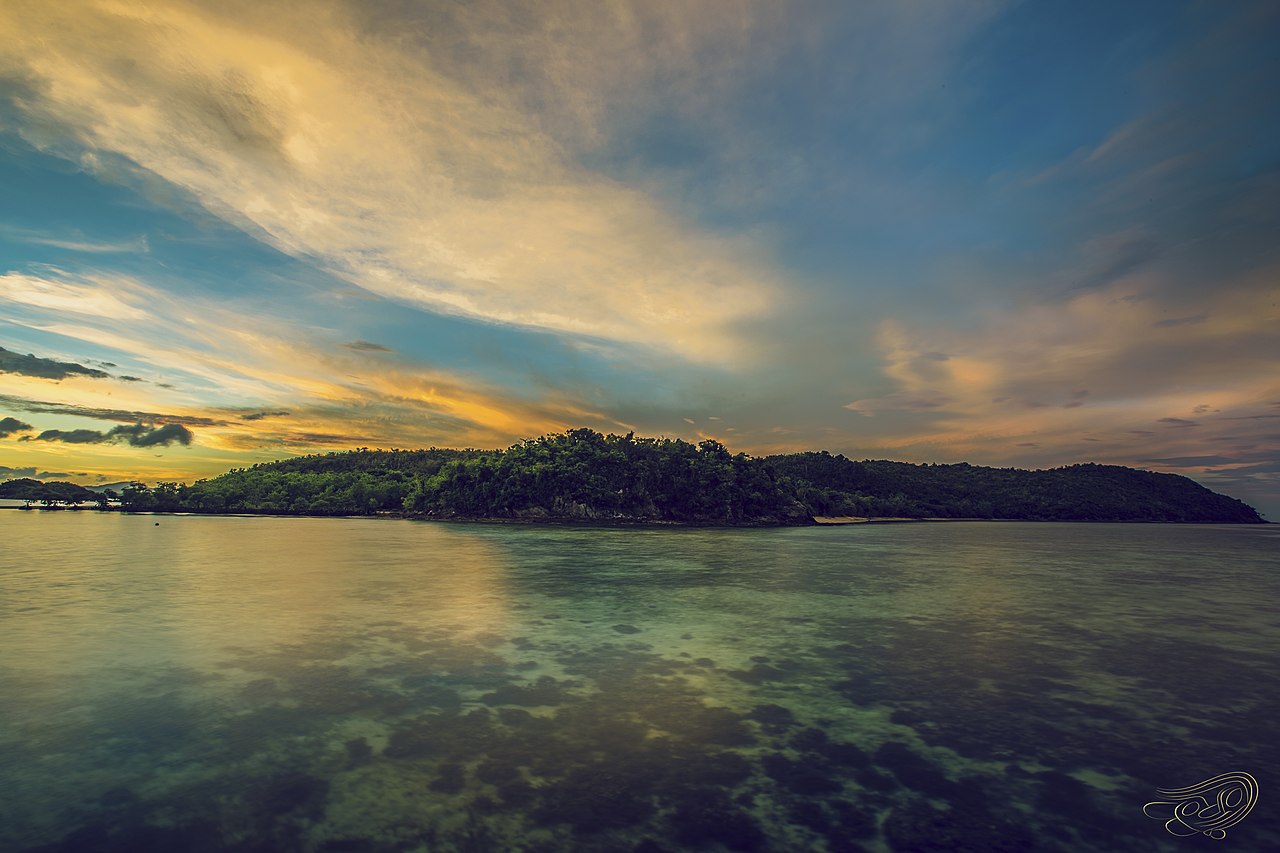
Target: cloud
322	439
72	436
7	473
269	364
9	426
443	191
140	435
45	368
136	435
1083	377
897	403
74	244
1113	257
103	414
367	346
93	294
1247	459
257	416
1173	322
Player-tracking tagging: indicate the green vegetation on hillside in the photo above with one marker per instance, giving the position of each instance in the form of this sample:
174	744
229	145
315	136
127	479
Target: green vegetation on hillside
834	485
582	475
49	494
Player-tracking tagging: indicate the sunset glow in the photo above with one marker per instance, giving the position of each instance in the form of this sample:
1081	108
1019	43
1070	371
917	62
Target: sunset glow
932	232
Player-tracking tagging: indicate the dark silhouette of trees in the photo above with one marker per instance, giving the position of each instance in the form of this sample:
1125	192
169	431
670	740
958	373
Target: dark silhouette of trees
50	494
582	475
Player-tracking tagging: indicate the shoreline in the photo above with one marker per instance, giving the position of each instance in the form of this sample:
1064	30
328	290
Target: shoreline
624	523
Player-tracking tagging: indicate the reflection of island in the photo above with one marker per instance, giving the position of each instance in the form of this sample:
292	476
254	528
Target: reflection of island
583	476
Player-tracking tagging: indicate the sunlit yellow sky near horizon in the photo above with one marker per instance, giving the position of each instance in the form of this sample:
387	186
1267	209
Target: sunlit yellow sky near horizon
1014	234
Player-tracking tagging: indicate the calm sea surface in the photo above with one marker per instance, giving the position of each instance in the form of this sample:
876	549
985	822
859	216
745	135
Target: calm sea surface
350	685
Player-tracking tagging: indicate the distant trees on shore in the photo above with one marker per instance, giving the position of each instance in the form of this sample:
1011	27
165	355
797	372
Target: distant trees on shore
50	494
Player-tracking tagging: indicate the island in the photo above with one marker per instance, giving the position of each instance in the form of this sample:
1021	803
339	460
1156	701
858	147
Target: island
583	476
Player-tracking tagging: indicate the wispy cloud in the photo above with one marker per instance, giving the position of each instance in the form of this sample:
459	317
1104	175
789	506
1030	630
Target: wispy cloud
75	243
276	371
1017	379
437	192
105	414
93	294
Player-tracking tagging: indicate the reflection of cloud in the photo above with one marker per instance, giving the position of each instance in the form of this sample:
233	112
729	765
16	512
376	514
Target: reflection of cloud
436	192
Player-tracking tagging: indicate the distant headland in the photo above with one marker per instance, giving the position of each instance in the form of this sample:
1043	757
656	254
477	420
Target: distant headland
582	476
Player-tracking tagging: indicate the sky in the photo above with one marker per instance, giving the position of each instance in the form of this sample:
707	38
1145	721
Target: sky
1012	234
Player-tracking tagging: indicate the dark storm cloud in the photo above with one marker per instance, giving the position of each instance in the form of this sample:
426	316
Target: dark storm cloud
45	368
8	426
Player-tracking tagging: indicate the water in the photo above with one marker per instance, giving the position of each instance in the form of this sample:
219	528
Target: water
350	684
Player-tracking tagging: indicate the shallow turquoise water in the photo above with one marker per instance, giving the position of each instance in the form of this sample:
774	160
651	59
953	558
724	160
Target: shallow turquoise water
348	684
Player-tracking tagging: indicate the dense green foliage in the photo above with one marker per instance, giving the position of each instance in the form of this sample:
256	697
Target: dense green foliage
582	475
49	494
579	475
834	485
349	483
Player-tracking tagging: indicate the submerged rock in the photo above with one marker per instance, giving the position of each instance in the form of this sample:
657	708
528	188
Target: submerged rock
712	818
774	719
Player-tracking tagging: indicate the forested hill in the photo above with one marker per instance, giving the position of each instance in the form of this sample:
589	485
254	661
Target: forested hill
834	485
582	475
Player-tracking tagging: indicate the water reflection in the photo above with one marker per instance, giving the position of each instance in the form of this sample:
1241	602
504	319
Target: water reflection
303	684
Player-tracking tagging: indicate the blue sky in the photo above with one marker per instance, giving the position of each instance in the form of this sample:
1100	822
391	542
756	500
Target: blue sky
1011	234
